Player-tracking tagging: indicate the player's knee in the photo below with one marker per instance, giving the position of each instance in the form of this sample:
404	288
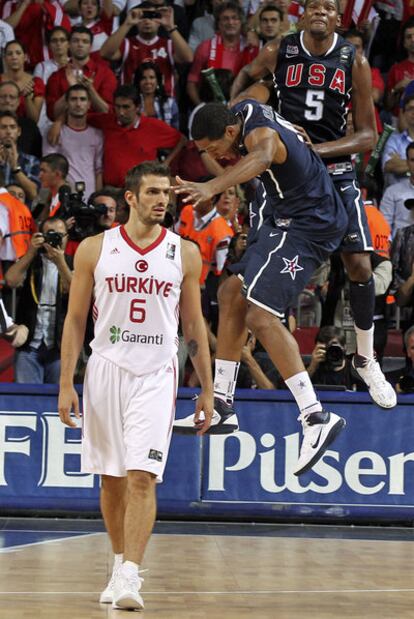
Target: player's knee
141	483
229	292
259	320
116	486
358	268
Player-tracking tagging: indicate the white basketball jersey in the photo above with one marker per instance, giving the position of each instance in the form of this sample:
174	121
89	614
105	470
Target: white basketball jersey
135	308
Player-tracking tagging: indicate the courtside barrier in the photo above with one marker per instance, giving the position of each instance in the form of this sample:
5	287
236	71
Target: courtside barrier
368	473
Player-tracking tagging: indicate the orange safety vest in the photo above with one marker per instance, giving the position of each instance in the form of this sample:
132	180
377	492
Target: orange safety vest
380	230
21	223
209	238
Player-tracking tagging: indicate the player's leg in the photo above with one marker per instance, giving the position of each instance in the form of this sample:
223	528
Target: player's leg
320	427
231	337
355	246
113	502
146	420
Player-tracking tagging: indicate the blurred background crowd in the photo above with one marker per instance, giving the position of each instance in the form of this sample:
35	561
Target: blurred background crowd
90	88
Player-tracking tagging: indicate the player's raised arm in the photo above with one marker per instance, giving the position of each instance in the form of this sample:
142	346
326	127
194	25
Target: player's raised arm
75	323
364	136
262	65
195	332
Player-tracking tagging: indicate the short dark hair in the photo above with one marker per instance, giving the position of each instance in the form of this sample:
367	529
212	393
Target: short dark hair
135	175
57	162
10	83
330	332
267	8
50	33
355	34
211	121
98	4
108	192
230	5
14	42
81	30
409	147
11	115
51	220
74	88
127	91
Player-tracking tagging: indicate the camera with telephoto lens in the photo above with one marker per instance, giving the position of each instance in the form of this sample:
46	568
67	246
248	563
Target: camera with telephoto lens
409	204
334	355
407	383
86	214
53	238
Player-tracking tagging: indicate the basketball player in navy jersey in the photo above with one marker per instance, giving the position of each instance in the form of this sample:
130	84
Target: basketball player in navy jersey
307	224
140	275
317	75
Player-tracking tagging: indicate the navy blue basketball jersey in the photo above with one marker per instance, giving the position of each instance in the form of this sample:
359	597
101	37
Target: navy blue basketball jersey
314	91
301	186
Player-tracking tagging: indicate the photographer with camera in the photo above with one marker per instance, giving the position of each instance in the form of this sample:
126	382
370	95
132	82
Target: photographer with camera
403	378
45	274
329	363
54	169
398	200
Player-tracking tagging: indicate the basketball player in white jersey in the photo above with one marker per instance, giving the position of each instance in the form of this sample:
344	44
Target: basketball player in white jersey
140	275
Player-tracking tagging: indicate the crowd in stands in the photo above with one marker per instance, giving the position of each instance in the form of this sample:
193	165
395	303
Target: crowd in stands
90	88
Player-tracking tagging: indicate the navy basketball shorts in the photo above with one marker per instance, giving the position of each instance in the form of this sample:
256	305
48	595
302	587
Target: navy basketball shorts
357	237
276	268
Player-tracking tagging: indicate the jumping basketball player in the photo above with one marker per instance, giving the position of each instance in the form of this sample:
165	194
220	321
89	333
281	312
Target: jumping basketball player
307	224
317	75
140	275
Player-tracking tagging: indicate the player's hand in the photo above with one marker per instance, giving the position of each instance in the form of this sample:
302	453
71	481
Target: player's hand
205	403
68	400
196	192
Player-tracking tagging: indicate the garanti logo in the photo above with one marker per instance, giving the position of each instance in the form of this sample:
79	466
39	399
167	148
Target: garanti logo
115	334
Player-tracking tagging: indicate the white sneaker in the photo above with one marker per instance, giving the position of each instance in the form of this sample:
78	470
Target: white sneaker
126	591
224	420
107	594
319	431
380	390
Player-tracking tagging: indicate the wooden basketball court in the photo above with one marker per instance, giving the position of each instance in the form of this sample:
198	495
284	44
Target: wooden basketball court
55	569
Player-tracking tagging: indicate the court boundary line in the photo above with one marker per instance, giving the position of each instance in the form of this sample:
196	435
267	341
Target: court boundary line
47	541
233	592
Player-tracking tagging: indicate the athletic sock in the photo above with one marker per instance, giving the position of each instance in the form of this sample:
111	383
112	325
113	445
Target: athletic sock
118	560
130	568
225	378
301	388
365	342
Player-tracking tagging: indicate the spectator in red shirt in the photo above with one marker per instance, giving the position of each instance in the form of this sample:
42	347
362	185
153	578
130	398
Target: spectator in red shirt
32	89
82	69
401	73
131	138
134	49
31	21
225	50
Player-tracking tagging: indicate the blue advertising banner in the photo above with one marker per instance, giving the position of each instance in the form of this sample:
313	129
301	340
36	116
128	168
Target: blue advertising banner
367	473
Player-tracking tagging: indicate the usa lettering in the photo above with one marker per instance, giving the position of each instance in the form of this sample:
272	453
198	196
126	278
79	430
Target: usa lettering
142	285
315	77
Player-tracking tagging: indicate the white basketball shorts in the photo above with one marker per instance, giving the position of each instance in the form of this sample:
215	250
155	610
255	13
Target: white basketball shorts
127	419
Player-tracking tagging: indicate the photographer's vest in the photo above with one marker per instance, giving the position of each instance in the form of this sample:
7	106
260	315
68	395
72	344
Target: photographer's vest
209	237
21	223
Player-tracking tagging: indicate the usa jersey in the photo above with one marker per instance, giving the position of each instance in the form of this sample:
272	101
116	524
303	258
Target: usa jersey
299	189
315	91
136	298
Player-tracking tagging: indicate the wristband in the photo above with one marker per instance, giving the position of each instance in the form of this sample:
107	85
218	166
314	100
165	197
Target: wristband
17	170
172	30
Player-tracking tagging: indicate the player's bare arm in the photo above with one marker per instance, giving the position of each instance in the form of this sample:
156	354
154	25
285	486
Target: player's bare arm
195	332
260	91
363	116
262	65
80	297
264	148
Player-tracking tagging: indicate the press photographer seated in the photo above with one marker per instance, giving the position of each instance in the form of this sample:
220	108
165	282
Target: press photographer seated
329	363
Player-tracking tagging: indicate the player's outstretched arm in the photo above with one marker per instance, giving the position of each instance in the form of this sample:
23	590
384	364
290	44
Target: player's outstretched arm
262	65
195	332
364	136
75	323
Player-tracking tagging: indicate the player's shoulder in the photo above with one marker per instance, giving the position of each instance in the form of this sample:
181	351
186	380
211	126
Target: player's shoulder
89	250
